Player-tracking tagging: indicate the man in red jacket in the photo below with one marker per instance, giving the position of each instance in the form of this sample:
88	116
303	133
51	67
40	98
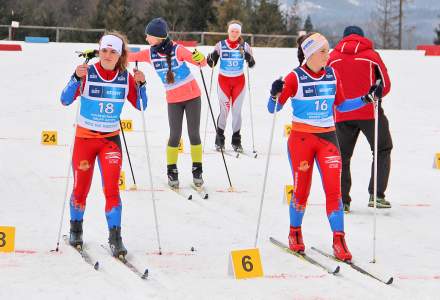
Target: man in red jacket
359	66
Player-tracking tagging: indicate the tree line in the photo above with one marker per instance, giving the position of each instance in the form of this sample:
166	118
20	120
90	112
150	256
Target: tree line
131	16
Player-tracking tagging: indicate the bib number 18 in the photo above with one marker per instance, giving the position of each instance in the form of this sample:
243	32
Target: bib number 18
107	108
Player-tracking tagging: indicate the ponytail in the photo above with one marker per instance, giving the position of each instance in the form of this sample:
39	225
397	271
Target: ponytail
170	74
299	41
241	43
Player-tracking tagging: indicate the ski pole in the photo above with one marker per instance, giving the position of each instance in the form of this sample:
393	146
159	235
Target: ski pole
133	187
215	126
263	190
153	198
376	133
66	191
251	113
207	112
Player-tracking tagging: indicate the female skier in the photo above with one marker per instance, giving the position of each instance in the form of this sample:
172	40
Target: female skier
232	53
314	90
182	94
103	88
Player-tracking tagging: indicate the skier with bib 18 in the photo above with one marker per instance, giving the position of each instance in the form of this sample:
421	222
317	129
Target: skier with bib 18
103	89
182	94
314	90
232	53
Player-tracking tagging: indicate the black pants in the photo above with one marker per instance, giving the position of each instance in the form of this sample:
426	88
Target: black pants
348	133
175	118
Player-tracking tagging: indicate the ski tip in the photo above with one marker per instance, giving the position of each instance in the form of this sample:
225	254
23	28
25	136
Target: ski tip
96	266
336	271
190	197
206	196
145	275
390	281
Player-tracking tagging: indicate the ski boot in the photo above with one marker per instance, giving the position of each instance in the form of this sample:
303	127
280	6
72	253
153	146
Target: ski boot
76	232
220	140
115	243
173	176
236	142
346	206
295	240
380	202
340	249
197	174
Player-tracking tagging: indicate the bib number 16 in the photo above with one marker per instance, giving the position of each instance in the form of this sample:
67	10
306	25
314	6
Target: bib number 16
321	105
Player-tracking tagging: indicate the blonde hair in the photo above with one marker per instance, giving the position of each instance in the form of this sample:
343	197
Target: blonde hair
240	39
122	63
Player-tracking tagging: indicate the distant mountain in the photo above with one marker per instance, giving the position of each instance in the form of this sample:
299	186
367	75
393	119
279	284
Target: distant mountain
331	16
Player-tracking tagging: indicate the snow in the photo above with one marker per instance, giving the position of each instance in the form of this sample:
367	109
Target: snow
32	183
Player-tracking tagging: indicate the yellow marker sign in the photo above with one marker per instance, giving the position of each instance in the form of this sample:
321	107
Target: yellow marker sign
287	129
127	125
122	181
49	137
7	239
245	264
437	161
180	147
288	192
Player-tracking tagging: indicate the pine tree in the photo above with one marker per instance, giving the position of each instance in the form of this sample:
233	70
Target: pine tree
118	16
99	19
386	18
200	14
293	19
228	10
308	26
268	18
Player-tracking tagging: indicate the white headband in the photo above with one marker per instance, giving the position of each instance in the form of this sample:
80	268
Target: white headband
234	26
312	44
111	41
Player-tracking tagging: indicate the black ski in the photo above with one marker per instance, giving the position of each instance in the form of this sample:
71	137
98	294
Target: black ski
354	266
129	265
254	154
201	191
182	193
84	254
304	257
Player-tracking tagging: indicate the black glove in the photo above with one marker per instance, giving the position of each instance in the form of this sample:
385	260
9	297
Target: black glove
277	87
89	54
250	59
212	59
375	92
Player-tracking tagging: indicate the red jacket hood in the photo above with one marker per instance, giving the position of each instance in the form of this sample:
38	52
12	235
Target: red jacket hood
354	44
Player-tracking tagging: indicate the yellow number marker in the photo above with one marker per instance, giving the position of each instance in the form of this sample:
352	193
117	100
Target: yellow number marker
287	129
127	125
122	181
49	137
7	239
245	264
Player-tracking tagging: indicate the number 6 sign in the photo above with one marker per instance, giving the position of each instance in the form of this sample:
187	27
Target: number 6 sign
245	264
